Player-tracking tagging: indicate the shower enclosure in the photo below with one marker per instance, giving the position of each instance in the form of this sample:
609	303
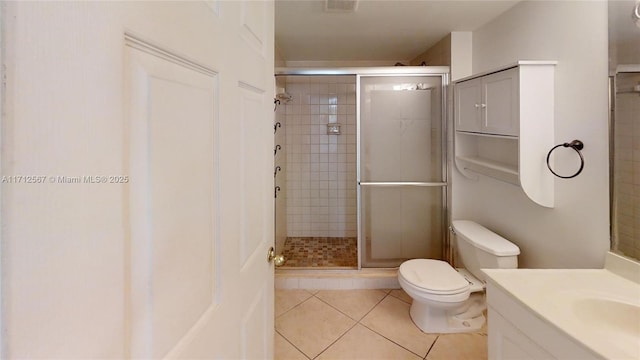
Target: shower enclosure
625	160
361	175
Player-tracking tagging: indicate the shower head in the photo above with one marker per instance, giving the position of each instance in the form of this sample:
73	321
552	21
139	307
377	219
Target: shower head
340	5
283	96
633	90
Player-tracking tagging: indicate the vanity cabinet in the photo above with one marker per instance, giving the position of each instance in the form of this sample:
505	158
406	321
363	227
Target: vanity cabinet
516	332
504	122
507	342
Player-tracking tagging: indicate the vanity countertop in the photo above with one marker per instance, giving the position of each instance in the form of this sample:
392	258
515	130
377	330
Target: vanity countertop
598	308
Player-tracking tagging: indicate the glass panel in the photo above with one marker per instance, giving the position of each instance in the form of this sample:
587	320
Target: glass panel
316	204
400	223
401	129
625	226
400	141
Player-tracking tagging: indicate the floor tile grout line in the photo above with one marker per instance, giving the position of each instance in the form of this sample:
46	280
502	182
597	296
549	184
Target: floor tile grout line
374	306
388	292
295	306
363	316
339	337
432	345
392	341
356	322
292	344
403	300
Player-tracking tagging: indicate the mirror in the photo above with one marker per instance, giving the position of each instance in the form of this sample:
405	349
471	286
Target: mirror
624	85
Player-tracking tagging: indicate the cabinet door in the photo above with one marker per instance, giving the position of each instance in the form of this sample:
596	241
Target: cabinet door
500	103
467	107
507	342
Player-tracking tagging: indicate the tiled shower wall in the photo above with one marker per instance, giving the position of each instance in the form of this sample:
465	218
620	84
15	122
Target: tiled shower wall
626	227
321	168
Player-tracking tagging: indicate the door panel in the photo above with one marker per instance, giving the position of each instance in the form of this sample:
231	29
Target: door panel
254	25
401	169
254	167
398	134
399	223
170	263
255	323
172	107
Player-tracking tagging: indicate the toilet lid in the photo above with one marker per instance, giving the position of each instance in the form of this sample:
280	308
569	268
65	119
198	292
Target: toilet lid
434	276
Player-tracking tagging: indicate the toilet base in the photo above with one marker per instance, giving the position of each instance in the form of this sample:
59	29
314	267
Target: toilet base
449	318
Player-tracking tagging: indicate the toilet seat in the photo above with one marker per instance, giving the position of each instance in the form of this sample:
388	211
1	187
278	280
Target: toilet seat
434	280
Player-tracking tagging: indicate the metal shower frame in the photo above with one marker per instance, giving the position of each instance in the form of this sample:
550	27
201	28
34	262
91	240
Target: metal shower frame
359	72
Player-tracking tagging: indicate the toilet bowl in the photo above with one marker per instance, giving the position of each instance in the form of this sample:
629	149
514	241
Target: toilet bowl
448	300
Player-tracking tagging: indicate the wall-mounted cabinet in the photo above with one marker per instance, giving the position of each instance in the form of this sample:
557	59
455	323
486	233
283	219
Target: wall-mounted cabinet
504	122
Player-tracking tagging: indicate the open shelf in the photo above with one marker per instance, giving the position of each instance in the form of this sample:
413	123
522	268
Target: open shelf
494	169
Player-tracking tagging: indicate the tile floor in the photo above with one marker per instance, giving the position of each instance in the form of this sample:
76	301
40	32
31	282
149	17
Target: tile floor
361	324
313	252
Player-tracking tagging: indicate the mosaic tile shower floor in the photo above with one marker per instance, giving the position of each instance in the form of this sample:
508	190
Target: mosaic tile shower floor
325	252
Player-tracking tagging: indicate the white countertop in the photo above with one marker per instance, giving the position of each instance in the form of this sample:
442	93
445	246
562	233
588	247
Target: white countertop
596	307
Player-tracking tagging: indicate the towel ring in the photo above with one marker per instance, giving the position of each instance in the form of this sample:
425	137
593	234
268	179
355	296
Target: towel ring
576	145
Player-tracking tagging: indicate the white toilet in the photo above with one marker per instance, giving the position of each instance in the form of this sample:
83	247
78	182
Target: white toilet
448	300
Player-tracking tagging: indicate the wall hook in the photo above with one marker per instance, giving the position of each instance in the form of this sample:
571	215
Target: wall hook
276	102
275	151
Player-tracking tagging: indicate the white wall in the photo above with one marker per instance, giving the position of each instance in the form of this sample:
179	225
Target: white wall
461	54
575	233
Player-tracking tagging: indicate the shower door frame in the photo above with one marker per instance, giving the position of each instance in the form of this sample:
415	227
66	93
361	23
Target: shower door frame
621	69
391	71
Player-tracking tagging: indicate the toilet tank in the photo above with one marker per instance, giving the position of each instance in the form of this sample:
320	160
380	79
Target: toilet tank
481	248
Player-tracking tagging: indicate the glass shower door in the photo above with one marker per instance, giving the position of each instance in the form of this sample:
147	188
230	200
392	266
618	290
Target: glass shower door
402	177
625	179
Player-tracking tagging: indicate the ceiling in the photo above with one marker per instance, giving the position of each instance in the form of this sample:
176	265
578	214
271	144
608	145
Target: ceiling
379	30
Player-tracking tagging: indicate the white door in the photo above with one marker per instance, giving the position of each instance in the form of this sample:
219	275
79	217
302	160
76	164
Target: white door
137	159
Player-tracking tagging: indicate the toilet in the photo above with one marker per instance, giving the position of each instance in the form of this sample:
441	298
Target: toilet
448	300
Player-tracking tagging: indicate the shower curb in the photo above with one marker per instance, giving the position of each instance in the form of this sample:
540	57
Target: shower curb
337	279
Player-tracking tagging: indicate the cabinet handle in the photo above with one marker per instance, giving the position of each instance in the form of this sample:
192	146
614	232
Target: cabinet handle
483	105
477	105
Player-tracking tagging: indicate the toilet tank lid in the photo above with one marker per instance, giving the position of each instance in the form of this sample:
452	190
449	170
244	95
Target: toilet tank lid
485	239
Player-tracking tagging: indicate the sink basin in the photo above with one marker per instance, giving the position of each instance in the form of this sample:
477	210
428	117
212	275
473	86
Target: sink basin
609	315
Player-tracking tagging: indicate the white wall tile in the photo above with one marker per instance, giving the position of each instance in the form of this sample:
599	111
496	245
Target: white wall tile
320	167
